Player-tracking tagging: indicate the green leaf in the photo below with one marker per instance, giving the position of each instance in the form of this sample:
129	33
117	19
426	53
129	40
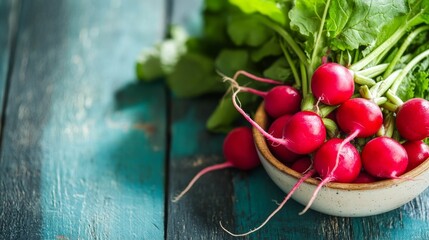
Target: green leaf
230	61
215	5
149	68
279	70
305	16
416	83
225	116
161	59
248	30
269	8
352	24
194	75
270	48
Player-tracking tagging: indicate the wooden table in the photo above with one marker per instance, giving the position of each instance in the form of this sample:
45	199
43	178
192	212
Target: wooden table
89	153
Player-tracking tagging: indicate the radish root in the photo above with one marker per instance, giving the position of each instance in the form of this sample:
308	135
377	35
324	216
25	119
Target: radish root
201	173
280	206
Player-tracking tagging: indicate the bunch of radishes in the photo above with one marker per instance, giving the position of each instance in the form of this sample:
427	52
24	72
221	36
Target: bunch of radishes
335	133
339	135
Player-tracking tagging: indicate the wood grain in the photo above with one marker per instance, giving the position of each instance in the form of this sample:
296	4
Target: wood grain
197	214
84	147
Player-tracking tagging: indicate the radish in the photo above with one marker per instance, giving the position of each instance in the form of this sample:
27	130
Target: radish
303	133
239	151
417	152
384	157
332	83
277	130
279	100
302	165
345	170
336	160
364	177
359	117
412	119
282	100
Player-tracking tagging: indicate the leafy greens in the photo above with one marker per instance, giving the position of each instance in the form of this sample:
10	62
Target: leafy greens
286	40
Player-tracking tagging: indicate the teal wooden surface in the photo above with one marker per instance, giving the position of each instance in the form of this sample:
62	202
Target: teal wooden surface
83	146
88	153
198	213
9	11
5	9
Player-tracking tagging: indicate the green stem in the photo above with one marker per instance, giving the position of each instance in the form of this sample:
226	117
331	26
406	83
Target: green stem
365	92
389	125
389	106
379	100
287	37
402	49
326	110
362	80
406	69
389	43
305	81
291	65
331	127
381	87
373	71
393	98
319	36
307	103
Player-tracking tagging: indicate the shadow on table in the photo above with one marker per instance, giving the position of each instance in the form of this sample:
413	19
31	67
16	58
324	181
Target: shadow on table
138	121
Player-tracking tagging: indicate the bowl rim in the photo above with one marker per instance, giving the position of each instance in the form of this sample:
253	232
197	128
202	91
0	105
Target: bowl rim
261	118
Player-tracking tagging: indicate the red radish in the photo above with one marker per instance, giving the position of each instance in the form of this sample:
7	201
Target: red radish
417	152
360	117
351	161
364	177
303	133
332	83
279	100
412	119
282	100
335	161
239	151
384	157
277	130
302	165
345	170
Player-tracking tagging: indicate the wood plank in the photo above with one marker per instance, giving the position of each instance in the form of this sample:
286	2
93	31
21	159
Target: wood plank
84	146
197	214
192	147
9	13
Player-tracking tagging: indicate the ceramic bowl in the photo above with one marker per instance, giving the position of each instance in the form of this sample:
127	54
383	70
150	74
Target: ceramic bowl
342	199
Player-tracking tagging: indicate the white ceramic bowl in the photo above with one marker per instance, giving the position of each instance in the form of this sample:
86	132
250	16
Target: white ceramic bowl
342	199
